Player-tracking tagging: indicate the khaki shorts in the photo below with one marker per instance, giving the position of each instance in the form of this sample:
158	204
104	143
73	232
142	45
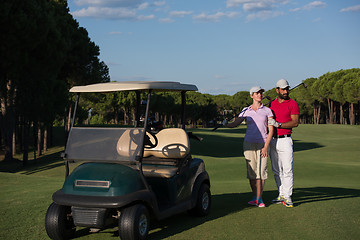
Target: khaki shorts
256	166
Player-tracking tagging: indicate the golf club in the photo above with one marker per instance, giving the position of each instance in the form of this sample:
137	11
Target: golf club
219	125
268	98
304	84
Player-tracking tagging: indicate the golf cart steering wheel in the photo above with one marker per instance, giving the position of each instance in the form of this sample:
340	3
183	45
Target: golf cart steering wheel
150	141
175	150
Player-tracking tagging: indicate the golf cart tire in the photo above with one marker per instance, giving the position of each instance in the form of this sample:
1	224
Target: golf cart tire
203	202
59	224
134	223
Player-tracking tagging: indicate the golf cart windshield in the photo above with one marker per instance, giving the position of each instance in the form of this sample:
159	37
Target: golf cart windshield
116	144
104	144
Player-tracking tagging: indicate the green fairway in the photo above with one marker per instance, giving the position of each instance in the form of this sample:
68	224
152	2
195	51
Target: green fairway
326	192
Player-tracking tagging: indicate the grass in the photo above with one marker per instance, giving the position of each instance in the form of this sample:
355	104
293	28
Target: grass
326	192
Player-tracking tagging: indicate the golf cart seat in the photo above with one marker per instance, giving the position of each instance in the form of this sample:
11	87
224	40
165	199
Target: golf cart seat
172	143
163	160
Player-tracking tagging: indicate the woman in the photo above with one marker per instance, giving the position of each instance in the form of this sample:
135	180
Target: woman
256	143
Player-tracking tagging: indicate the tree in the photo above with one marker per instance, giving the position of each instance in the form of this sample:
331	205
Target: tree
305	100
240	100
36	76
339	96
318	100
30	43
326	85
200	108
352	91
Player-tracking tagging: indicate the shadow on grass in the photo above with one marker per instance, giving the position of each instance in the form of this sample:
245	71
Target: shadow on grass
42	163
302	146
319	194
222	205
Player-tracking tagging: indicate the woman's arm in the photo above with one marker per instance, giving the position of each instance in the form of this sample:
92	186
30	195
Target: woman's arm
264	150
237	122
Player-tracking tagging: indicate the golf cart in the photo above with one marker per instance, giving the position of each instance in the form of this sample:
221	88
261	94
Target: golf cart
128	176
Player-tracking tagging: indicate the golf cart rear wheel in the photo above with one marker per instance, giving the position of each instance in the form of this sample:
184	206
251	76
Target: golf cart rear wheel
134	223
203	202
59	223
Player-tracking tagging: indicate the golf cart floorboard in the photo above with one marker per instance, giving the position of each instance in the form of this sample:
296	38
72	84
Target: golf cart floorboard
165	212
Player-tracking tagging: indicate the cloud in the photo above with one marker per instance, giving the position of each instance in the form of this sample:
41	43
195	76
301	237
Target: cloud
263	15
144	18
166	20
115	33
235	3
215	17
112	13
180	13
254	5
159	3
106	12
295	9
316	4
143	6
310	6
355	8
258	9
257	6
109	3
115	9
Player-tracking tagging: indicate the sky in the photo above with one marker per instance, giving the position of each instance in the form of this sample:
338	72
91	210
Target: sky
222	46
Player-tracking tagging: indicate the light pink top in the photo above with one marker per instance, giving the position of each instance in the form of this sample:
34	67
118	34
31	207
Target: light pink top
256	121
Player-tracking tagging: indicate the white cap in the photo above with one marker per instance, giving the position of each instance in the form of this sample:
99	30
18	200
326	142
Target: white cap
282	83
256	89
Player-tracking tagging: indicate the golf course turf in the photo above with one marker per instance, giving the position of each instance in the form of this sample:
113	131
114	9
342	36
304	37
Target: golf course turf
326	191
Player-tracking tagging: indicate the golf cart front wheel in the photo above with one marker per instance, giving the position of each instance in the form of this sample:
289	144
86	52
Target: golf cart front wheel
203	202
134	223
59	223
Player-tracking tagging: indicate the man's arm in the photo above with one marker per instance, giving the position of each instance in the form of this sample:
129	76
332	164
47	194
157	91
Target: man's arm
293	123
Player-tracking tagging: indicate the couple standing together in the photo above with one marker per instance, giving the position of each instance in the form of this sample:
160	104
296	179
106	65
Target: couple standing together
269	130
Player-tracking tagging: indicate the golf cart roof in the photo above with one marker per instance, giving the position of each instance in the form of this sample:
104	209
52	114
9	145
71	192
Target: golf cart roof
134	85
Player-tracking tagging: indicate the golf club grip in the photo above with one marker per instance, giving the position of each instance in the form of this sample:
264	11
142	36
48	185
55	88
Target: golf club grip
216	127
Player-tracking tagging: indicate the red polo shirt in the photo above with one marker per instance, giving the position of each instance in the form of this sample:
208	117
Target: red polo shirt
283	112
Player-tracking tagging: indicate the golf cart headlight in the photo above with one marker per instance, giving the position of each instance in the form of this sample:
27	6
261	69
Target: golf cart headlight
92	183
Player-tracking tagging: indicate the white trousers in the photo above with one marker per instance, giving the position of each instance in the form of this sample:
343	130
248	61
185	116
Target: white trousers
281	154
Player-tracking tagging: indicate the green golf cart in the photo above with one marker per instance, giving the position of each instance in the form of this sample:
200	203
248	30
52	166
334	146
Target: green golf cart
128	176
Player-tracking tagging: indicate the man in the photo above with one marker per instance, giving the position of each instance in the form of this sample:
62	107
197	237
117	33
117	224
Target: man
286	112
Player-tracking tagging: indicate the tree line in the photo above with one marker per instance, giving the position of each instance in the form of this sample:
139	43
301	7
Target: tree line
333	98
43	53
